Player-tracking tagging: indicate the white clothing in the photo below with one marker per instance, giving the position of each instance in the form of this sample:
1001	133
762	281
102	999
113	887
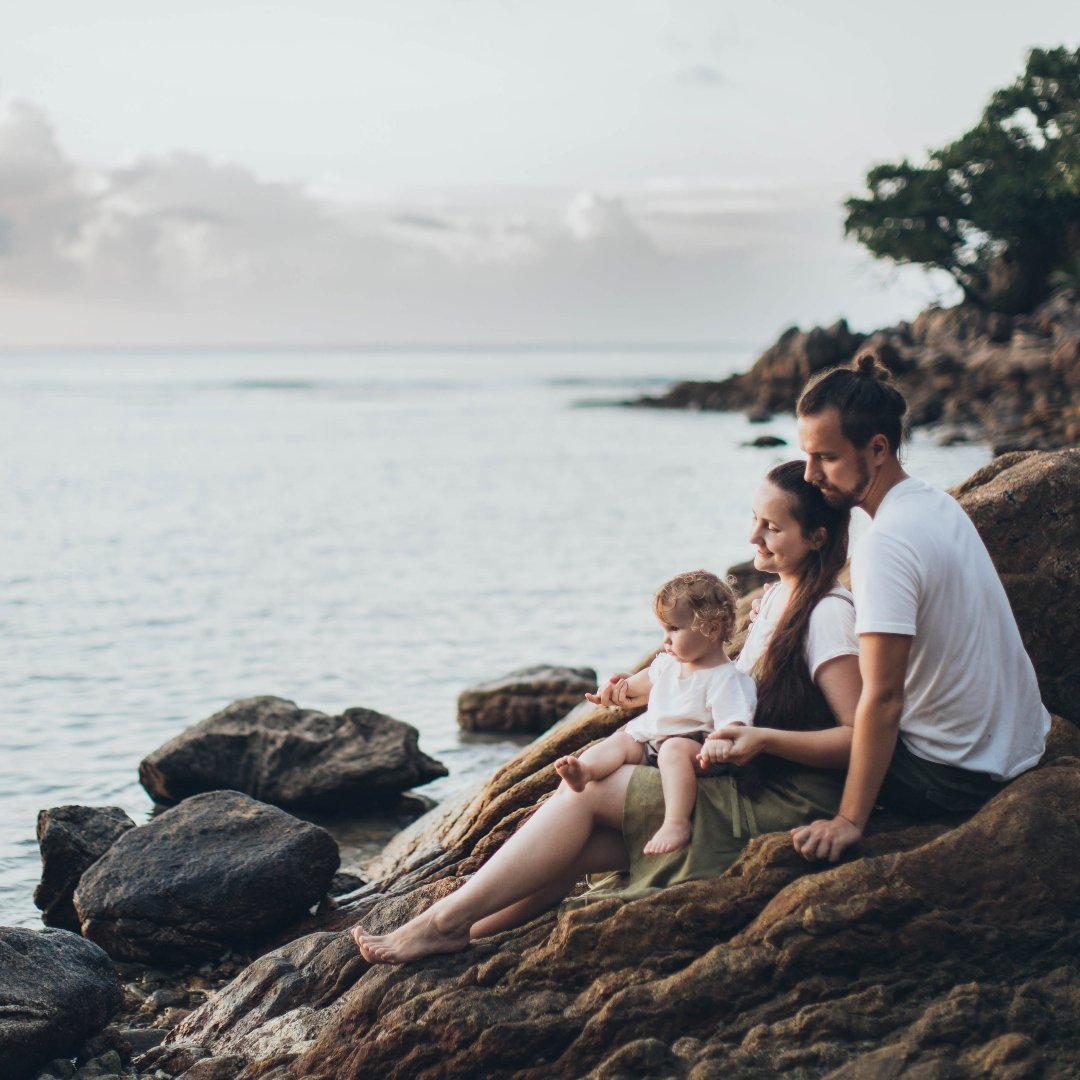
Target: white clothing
694	702
971	698
830	632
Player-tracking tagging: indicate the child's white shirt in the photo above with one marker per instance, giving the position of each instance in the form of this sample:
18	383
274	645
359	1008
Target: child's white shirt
692	702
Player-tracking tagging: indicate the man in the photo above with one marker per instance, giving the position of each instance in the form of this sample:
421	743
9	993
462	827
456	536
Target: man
950	709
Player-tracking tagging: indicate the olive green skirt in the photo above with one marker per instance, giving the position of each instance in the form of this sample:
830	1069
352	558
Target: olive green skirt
724	821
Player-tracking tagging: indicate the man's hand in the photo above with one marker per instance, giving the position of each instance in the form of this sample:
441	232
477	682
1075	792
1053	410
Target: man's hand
825	840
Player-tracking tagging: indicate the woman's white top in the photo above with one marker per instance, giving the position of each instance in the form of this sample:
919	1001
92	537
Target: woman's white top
830	633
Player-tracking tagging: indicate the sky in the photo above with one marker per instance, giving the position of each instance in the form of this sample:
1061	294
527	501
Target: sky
471	171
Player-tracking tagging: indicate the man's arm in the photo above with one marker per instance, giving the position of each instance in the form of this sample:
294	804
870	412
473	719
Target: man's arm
883	660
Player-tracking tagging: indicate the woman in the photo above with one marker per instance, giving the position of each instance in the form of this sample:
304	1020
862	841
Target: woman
803	652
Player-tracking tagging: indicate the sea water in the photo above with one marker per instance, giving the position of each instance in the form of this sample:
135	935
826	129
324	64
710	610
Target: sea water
179	529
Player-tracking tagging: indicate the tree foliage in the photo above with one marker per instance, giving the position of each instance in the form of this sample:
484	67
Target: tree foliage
999	208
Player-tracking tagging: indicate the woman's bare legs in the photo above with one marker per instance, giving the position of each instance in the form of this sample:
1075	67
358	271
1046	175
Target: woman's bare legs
524	874
606	850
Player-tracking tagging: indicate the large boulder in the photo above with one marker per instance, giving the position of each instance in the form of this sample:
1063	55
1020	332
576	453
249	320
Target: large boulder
72	839
56	990
527	701
275	751
219	871
1026	507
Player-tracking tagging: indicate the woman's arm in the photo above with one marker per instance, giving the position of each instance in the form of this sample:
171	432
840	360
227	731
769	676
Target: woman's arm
839	680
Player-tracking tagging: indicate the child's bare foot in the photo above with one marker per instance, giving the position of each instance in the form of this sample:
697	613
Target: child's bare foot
671	836
574	772
422	936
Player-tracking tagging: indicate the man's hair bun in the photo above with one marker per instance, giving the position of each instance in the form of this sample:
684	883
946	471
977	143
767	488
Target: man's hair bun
869	366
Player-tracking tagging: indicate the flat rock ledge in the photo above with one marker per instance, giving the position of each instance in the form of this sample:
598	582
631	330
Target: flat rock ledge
910	955
219	871
56	990
939	950
528	700
274	751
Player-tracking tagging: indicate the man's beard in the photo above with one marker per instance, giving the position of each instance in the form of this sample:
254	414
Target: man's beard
840	499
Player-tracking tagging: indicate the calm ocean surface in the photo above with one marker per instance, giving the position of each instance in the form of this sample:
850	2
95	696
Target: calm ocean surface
181	529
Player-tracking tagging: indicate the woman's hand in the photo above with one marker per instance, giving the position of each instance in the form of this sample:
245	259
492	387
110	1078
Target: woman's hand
714	751
744	743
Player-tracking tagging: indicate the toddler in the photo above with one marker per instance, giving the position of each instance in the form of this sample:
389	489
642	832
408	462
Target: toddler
692	690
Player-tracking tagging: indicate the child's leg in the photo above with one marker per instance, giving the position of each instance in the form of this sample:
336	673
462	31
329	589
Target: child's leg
600	760
679	781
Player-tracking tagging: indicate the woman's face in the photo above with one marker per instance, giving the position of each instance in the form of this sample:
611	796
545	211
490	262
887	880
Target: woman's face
780	546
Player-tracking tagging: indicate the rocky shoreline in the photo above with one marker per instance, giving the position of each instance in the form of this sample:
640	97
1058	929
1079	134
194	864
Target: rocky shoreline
968	374
940	949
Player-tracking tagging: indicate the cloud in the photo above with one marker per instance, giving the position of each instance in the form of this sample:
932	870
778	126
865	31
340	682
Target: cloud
45	203
704	75
183	249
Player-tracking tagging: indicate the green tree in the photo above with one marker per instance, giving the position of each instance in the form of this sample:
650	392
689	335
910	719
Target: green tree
999	208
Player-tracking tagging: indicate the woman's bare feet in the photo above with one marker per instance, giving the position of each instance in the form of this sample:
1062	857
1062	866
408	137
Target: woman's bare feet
574	771
671	836
425	935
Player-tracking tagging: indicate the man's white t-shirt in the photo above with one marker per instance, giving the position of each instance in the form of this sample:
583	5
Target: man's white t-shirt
691	702
830	632
971	698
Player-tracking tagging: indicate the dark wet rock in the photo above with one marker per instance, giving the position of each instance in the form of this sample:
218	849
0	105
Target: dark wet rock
766	441
71	839
276	752
56	990
1010	380
1026	507
218	870
106	1066
528	700
345	883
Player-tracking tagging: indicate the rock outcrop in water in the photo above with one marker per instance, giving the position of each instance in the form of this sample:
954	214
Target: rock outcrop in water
216	872
272	750
937	950
528	700
1012	380
72	839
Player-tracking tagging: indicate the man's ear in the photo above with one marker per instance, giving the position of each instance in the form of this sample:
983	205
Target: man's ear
879	446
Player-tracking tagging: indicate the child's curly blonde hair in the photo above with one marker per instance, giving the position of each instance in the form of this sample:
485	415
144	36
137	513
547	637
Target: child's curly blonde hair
710	599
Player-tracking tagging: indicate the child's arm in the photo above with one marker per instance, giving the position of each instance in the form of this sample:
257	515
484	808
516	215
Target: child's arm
623	691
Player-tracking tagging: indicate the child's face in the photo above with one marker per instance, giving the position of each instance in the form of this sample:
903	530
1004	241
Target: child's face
687	645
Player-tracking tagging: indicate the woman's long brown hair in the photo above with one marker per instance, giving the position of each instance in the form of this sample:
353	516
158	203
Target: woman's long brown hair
787	696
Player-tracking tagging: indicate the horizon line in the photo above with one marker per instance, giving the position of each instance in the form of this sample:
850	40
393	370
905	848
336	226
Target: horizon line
399	347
